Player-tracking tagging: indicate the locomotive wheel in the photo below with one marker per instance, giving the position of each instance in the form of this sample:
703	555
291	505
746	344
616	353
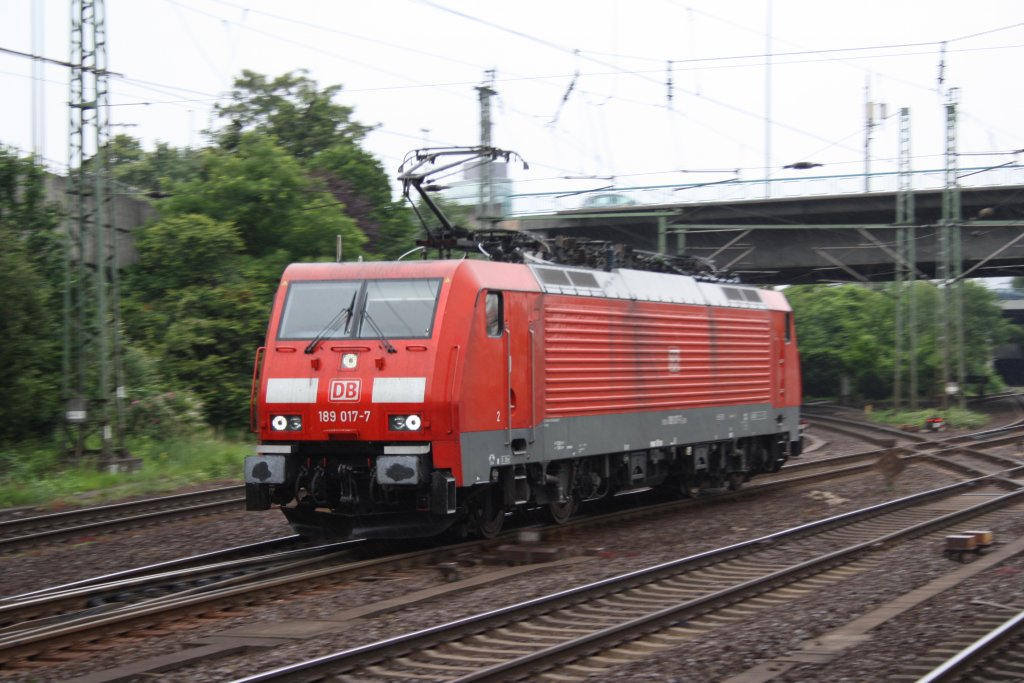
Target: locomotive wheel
559	513
736	481
487	516
688	489
770	457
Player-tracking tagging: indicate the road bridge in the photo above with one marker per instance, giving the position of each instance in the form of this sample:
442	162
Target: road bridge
807	239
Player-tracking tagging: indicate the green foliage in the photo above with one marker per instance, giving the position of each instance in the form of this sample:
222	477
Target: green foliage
34	474
269	198
287	175
30	277
152	409
848	332
212	353
358	181
184	251
322	136
157	414
291	109
844	332
150	173
197	305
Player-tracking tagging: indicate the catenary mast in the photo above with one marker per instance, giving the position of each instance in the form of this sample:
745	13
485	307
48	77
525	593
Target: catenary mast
93	384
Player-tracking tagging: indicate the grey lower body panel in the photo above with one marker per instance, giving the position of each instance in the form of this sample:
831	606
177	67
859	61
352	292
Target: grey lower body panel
574	437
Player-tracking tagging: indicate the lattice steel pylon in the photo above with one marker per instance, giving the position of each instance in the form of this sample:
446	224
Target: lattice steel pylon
93	386
905	337
487	216
950	267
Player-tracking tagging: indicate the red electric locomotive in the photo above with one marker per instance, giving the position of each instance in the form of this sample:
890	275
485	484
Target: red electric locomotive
401	399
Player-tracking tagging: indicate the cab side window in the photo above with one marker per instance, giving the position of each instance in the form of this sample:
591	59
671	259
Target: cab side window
494	309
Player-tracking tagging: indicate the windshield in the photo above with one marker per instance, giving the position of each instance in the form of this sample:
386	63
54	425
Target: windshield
401	309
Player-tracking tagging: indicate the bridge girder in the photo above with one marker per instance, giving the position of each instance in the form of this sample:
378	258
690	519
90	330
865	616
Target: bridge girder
818	239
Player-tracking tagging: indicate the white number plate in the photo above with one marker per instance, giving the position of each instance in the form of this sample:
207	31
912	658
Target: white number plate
344	416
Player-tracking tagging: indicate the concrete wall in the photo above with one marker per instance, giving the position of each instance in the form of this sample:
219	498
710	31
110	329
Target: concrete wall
129	213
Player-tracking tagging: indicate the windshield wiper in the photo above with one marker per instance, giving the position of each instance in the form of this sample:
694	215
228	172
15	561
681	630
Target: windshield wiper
343	316
388	346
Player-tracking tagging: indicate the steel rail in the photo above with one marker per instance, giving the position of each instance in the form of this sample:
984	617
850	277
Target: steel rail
813	413
670	616
856	428
63	605
329	665
56	602
167	565
122	617
975	654
17	532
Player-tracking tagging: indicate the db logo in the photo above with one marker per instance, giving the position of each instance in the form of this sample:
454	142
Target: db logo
344	390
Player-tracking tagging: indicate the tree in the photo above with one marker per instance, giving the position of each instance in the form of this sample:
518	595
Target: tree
30	276
190	251
212	353
302	118
846	335
283	178
269	198
150	173
323	137
197	304
358	181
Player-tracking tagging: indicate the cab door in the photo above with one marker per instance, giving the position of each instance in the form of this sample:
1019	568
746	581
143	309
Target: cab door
484	387
521	352
782	341
497	388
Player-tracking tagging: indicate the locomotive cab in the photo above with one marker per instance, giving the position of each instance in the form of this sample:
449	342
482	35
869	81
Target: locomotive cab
341	400
357	393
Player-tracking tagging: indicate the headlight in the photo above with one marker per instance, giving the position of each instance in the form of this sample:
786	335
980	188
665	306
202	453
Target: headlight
286	423
404	423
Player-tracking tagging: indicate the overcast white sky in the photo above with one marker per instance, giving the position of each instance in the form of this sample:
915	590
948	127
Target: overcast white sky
411	66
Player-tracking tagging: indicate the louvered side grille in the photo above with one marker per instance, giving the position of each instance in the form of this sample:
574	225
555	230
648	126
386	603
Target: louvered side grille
652	357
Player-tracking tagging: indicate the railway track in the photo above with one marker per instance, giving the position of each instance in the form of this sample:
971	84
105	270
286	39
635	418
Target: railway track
582	631
968	454
879	435
61	629
975	460
36	625
21	532
105	594
44	610
997	654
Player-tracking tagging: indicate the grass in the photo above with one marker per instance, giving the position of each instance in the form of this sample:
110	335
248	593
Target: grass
956	418
33	474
